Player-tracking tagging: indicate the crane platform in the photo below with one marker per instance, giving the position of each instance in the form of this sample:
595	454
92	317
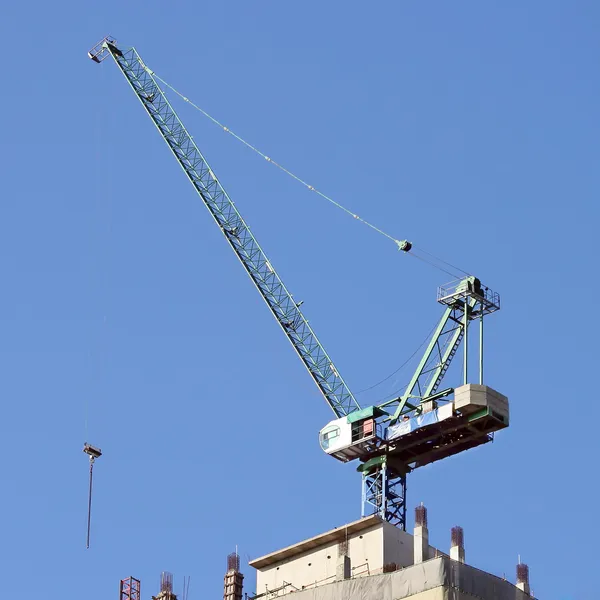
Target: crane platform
439	440
468	420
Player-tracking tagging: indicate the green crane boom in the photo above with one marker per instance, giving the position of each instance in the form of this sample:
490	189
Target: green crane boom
260	269
356	433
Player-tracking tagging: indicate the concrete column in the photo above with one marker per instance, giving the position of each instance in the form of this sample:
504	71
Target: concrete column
457	545
234	581
342	568
523	578
233	586
421	535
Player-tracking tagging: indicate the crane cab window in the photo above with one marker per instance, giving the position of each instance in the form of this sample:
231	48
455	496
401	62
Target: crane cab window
362	429
329	436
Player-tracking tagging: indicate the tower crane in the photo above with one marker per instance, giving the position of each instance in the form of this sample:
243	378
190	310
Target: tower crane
389	439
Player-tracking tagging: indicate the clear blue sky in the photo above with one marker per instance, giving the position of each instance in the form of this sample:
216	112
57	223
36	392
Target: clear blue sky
468	127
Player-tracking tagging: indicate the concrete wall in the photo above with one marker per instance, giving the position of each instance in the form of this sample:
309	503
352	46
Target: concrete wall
398	546
425	581
439	593
369	551
436	579
365	549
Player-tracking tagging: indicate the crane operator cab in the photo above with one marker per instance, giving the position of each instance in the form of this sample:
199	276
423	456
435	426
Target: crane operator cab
354	436
435	431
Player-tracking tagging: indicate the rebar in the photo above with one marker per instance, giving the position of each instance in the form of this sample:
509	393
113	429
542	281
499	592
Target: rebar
458	537
166	582
522	573
421	516
233	562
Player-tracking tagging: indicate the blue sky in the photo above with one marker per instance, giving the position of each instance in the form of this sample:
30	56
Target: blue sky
468	127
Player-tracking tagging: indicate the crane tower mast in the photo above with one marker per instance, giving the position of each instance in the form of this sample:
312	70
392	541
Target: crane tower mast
392	438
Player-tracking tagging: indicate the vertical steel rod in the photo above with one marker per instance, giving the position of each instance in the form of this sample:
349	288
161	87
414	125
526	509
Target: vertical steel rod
383	491
363	494
466	325
89	522
481	346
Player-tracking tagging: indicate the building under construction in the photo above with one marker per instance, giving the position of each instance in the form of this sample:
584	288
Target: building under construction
369	559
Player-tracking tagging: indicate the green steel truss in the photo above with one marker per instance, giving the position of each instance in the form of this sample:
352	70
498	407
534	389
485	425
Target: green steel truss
436	360
233	226
384	490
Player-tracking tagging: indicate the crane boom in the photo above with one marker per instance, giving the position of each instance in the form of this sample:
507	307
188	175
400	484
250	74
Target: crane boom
244	244
390	439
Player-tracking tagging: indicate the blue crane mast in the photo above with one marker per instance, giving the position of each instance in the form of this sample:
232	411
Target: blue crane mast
392	438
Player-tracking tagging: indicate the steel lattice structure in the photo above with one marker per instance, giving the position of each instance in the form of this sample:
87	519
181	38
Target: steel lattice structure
385	463
244	244
436	359
130	589
384	493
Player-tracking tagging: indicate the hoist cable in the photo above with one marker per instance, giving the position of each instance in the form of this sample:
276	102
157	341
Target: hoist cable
89	516
429	262
443	261
276	164
399	243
